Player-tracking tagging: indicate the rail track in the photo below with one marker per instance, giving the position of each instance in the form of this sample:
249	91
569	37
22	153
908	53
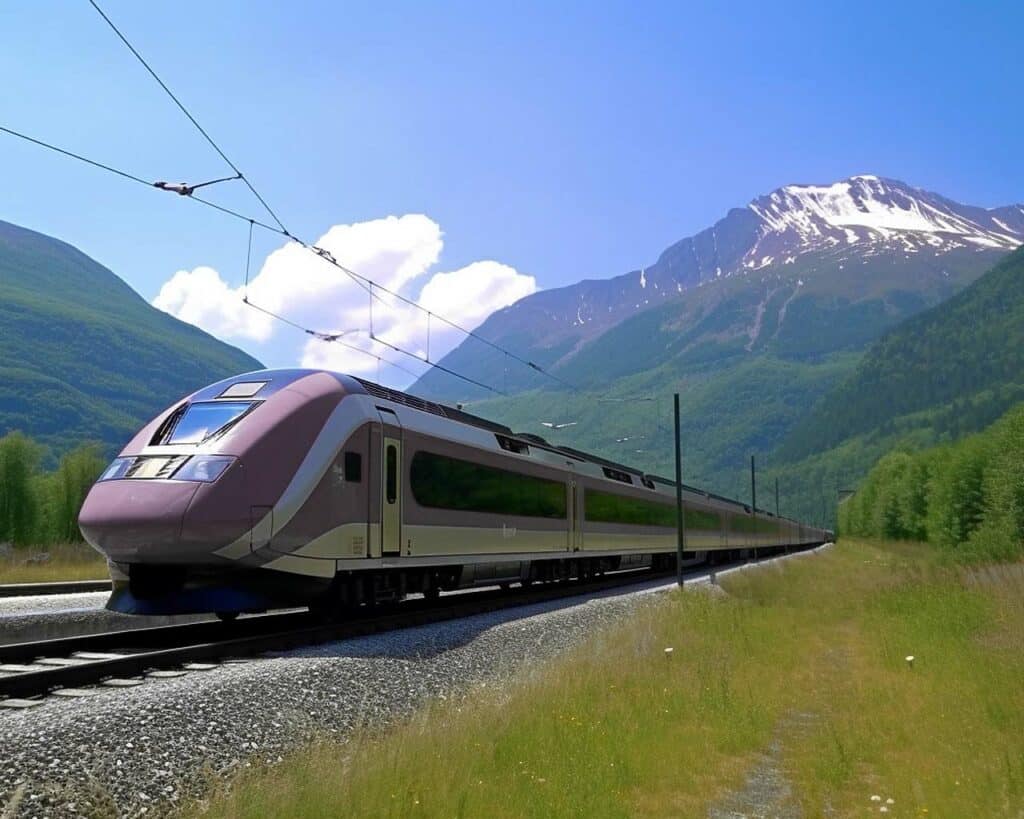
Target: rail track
66	587
30	670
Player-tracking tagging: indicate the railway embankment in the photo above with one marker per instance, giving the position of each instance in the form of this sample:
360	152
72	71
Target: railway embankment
152	746
873	678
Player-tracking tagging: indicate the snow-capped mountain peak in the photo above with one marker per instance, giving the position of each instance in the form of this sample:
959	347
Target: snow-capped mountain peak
798	257
868	208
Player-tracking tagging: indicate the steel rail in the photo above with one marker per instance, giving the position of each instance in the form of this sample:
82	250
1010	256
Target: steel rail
63	587
204	644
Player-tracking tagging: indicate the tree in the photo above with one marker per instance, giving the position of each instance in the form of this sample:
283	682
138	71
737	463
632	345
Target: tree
77	472
19	506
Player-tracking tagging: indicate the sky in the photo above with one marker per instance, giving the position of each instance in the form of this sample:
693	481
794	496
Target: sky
467	154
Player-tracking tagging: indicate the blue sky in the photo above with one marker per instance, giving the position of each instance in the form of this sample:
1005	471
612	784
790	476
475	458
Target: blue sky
562	140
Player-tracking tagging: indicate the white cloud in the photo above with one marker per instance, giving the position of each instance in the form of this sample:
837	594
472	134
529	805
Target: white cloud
202	298
397	252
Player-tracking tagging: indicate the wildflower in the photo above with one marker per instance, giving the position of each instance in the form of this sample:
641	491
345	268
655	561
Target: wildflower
890	801
876	798
883	809
668	653
910	660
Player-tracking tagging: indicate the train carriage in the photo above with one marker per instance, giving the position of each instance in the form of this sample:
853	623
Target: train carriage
305	487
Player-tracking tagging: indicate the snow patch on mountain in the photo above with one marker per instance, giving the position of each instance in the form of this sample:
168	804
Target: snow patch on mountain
869	208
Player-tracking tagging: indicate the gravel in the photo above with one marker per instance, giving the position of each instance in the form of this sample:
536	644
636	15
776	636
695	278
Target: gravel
139	751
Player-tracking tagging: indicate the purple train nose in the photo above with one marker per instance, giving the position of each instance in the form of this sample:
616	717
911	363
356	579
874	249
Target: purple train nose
130	521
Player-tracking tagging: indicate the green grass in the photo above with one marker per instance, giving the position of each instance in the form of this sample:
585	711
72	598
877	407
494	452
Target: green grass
617	729
53	564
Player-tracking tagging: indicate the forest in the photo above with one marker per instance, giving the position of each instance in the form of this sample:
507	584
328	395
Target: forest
965	497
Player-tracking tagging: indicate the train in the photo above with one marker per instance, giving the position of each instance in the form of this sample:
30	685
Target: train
296	487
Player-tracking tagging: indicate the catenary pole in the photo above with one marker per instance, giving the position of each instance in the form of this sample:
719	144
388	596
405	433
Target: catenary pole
753	488
680	520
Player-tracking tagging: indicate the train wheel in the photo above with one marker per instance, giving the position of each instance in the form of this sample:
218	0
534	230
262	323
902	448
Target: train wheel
227	616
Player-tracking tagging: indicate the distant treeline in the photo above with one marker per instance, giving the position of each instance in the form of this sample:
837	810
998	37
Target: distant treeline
967	496
39	507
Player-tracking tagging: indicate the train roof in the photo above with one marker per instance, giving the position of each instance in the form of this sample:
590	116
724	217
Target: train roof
460	415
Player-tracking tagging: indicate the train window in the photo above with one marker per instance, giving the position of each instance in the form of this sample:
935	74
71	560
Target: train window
450	483
353	467
618	475
391	473
204	419
243	389
752	525
511	445
703	519
604	507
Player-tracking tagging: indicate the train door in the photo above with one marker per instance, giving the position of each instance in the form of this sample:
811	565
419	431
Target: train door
574	540
390	484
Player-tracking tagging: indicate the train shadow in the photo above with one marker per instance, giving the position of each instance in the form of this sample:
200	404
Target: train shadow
424	642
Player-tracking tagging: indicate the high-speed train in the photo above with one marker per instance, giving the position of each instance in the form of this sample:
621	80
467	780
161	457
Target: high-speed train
306	487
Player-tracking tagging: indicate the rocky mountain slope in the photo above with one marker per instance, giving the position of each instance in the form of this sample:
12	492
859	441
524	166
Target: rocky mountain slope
801	253
82	355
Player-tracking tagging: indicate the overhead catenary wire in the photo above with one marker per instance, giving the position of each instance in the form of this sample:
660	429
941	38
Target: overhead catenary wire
187	113
437	366
369	285
364	282
248	261
330	337
49	146
284	231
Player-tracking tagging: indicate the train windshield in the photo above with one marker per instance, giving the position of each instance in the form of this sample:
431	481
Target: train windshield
204	419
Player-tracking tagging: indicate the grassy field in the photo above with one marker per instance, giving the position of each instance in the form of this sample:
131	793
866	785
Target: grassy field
51	564
804	660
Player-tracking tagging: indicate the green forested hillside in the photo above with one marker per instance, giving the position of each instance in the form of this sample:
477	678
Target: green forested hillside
750	355
967	356
936	377
82	356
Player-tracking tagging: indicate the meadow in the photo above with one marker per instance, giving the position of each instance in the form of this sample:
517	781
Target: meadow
55	563
798	671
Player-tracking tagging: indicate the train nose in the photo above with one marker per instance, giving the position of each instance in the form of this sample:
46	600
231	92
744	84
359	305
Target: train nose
136	521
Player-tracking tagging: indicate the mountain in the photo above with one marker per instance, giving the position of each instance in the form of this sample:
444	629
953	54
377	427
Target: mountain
82	355
804	256
950	371
752	320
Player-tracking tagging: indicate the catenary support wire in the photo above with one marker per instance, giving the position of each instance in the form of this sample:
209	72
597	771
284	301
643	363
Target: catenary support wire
187	113
188	191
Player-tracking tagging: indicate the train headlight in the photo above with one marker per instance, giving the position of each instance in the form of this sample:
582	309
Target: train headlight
117	469
205	468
